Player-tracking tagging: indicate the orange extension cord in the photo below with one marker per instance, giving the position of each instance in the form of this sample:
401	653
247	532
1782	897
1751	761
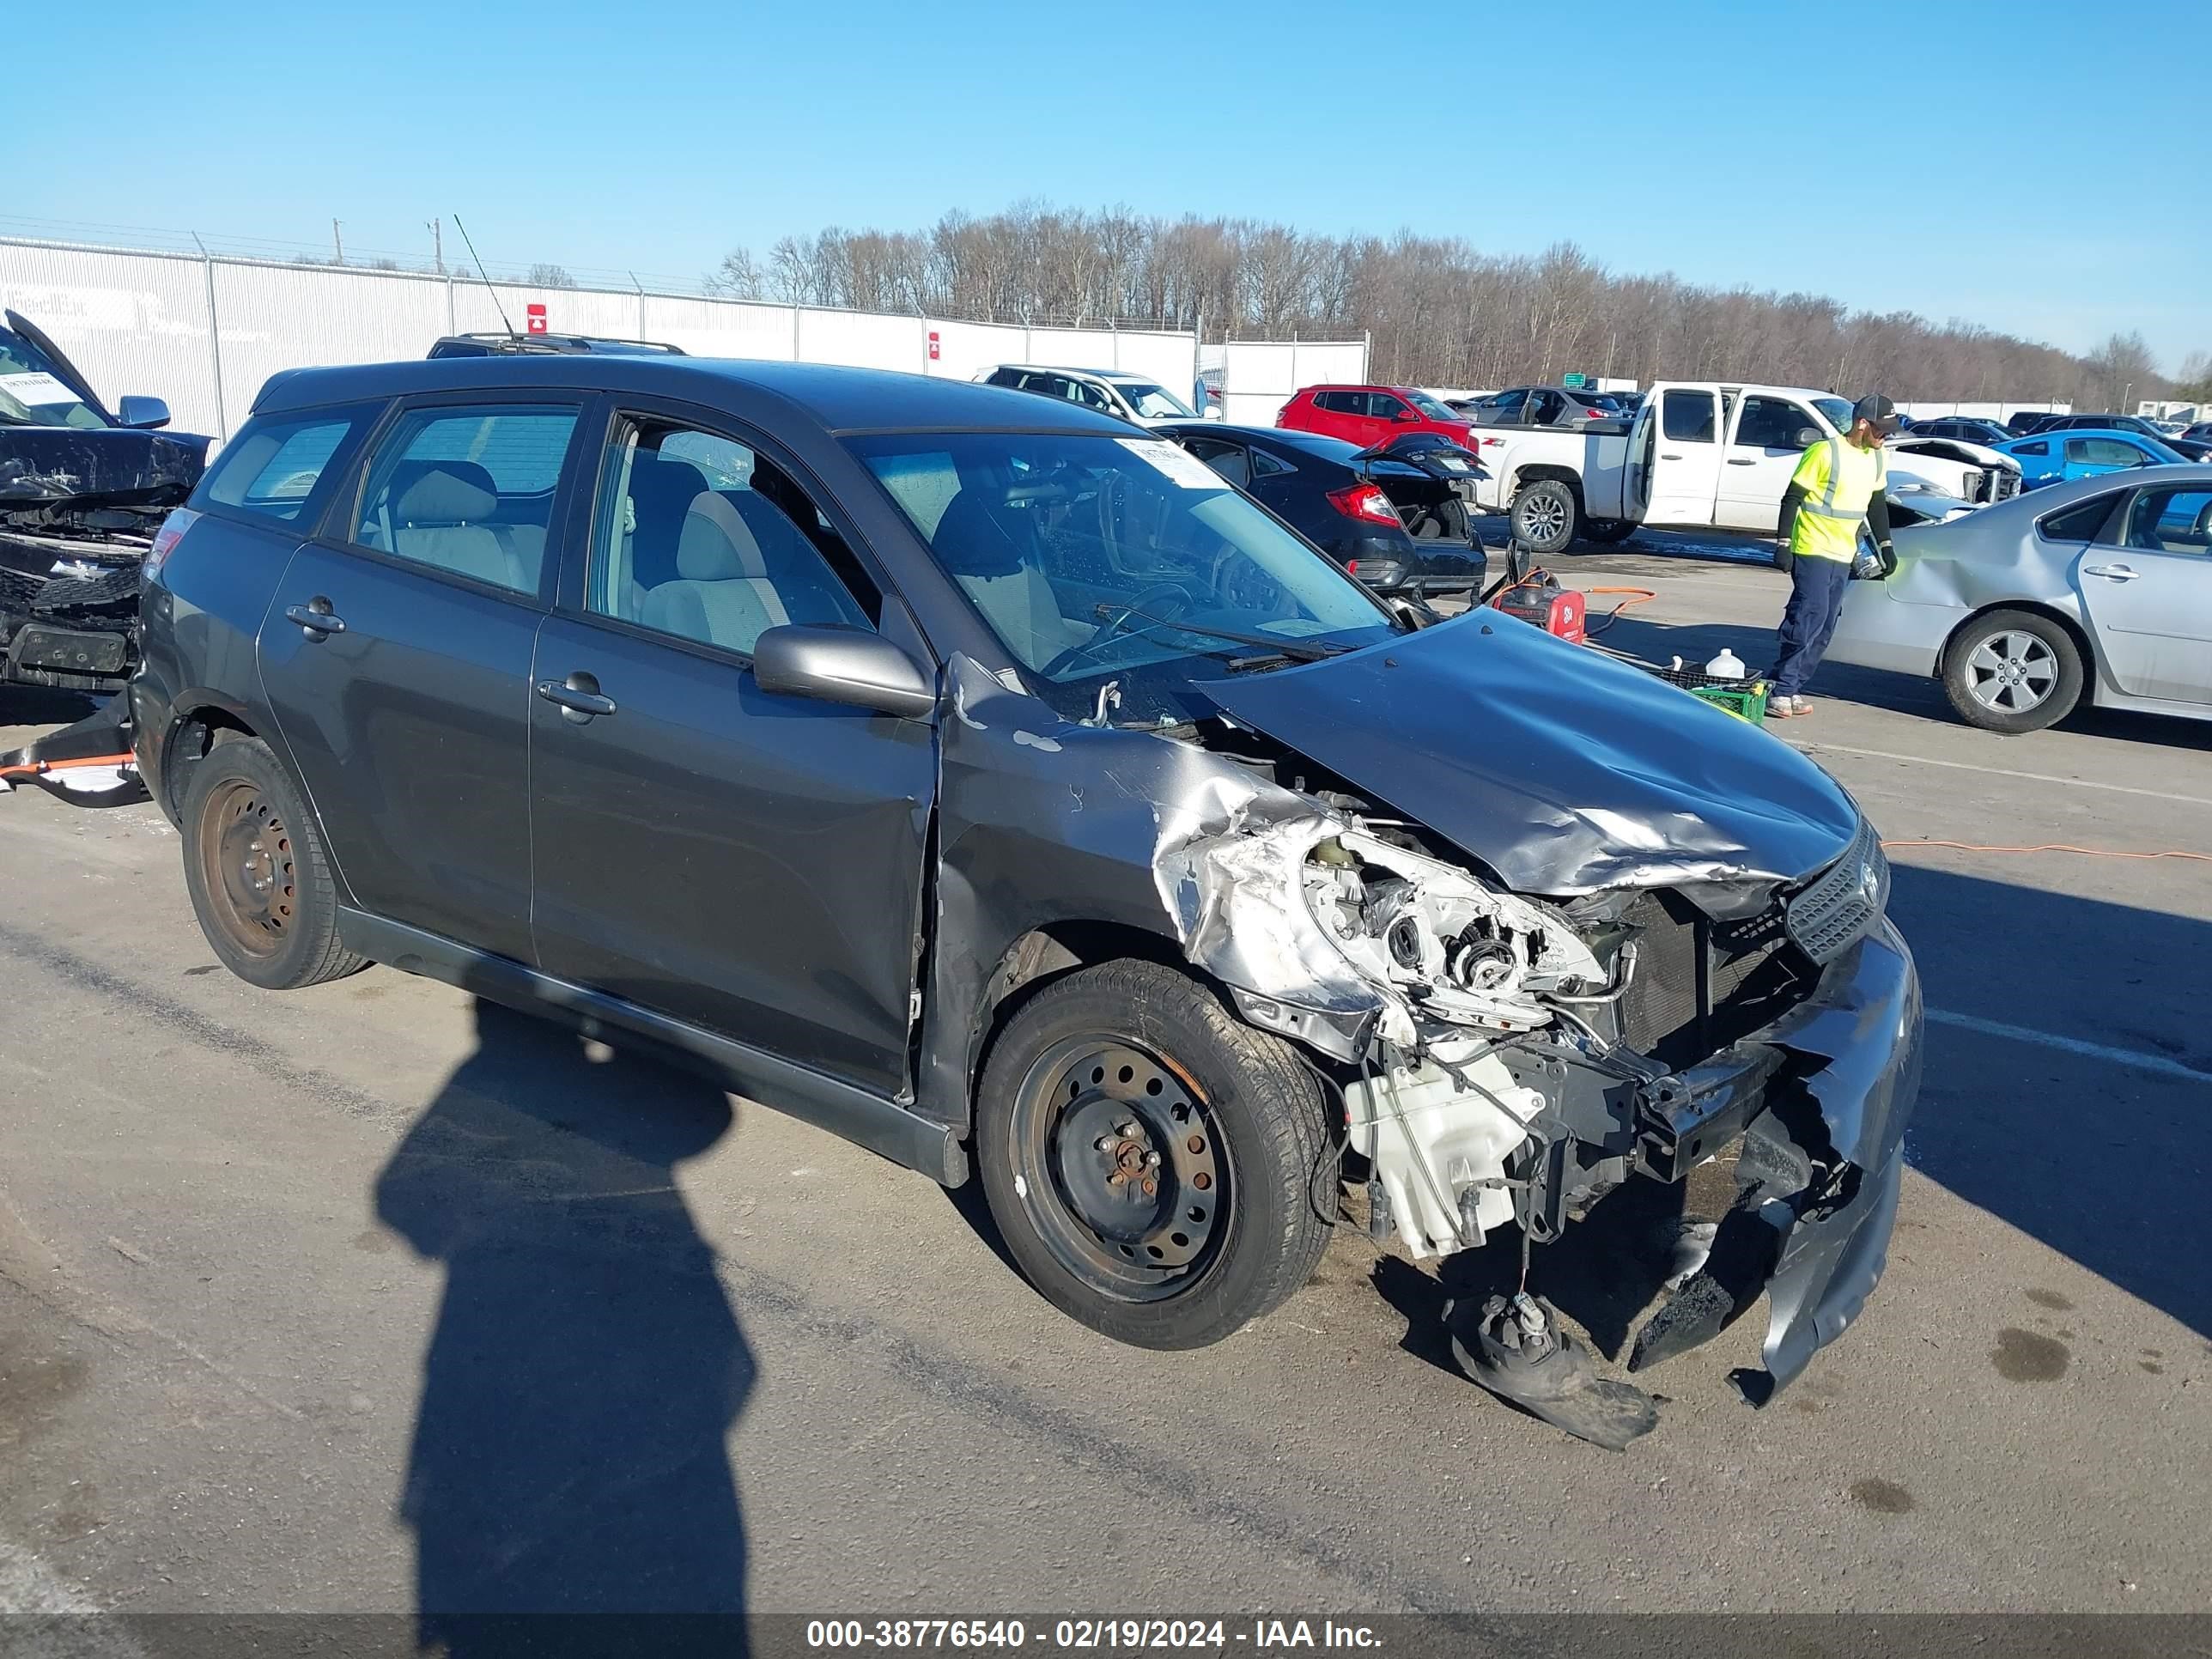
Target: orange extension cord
2055	847
38	768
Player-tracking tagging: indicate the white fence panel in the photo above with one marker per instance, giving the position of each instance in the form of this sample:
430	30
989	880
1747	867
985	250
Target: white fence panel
863	339
142	323
132	323
965	350
271	318
568	310
722	328
1259	376
1170	359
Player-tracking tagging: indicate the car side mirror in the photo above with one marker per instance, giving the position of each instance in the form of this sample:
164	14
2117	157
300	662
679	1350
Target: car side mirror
1404	417
847	665
145	413
1806	437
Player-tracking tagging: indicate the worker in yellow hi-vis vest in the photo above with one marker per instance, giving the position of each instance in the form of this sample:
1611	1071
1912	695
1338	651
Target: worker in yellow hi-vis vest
1840	484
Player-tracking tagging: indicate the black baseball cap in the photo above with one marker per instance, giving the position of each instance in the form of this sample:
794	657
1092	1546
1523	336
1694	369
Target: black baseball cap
1878	411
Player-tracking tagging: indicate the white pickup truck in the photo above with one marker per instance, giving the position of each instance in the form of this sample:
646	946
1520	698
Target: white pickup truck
1696	456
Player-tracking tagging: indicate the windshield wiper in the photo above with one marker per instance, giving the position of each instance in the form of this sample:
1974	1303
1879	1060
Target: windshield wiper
1296	651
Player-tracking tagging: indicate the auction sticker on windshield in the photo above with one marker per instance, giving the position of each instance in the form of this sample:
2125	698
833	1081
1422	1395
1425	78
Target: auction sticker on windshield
39	389
1180	465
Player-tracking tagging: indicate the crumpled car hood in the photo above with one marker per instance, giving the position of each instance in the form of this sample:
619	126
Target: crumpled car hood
1562	769
47	466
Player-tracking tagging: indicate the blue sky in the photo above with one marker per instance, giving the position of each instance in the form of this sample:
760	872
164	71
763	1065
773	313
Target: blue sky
1713	139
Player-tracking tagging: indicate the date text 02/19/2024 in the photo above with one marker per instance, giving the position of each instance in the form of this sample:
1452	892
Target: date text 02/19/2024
1089	1634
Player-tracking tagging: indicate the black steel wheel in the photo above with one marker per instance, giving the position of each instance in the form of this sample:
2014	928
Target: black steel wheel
254	865
1150	1160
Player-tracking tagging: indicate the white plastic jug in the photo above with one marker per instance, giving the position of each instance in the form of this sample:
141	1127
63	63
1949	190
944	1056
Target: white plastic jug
1727	666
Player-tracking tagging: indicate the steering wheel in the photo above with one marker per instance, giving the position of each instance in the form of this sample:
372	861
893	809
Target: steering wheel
1148	600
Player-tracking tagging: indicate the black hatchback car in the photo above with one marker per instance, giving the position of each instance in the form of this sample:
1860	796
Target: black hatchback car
988	782
1395	519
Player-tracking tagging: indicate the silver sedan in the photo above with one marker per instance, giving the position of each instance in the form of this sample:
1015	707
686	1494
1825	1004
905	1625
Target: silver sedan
2098	589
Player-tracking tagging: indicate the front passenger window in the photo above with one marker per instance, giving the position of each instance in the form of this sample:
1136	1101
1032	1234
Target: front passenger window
702	538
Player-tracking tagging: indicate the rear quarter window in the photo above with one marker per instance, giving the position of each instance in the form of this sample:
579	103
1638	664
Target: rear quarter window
280	469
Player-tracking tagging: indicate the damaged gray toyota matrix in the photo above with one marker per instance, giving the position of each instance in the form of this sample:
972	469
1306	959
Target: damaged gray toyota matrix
990	782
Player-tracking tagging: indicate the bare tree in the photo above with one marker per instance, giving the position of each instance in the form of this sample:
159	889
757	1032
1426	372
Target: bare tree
1437	311
549	276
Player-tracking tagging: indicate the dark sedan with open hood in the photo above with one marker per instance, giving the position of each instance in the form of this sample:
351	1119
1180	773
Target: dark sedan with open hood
81	491
992	784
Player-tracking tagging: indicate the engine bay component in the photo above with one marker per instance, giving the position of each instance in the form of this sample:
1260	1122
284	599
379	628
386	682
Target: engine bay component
1437	1135
1443	946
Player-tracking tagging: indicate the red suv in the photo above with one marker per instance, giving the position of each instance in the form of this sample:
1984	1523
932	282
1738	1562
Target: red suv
1370	414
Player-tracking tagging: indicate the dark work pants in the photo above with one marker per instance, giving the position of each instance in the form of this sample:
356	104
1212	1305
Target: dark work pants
1816	599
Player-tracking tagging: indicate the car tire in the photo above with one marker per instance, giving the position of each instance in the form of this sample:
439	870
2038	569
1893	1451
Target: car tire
1546	517
257	870
1608	531
1235	1121
2013	671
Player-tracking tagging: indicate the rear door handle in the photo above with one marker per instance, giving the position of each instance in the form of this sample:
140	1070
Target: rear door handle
1732	462
578	697
2118	573
1665	457
317	617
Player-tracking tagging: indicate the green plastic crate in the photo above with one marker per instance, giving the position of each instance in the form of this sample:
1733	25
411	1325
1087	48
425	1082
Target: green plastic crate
1744	699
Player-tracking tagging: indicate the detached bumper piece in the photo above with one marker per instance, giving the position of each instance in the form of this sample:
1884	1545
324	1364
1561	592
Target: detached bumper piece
1818	1172
87	764
1519	1351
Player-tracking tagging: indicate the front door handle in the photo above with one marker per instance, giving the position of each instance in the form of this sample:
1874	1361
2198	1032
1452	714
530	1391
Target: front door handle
2118	573
1665	457
317	617
1734	462
577	697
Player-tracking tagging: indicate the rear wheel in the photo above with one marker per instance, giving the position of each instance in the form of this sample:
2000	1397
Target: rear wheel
1151	1159
1546	517
2013	671
254	865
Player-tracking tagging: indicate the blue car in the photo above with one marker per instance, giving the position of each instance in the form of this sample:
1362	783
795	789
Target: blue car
2049	456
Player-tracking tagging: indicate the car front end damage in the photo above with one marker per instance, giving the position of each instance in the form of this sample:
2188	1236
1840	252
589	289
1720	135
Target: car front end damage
79	509
1545	925
1514	1062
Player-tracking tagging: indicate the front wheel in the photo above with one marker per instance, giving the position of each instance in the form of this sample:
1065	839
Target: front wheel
1546	517
1150	1160
2013	671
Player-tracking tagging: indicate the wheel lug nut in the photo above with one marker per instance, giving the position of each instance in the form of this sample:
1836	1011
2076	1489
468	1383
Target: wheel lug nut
1152	1160
1103	1144
1128	1131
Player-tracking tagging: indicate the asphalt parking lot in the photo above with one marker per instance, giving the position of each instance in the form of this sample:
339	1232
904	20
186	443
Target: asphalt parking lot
246	1241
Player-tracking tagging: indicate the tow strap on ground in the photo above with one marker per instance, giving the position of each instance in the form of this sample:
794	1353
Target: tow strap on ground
87	764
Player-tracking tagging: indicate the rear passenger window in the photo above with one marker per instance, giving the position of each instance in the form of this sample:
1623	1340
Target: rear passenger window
467	491
1686	417
1341	402
700	537
273	467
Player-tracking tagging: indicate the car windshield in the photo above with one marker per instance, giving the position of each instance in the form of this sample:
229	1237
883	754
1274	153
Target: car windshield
1091	556
1838	411
1154	403
31	394
1429	407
